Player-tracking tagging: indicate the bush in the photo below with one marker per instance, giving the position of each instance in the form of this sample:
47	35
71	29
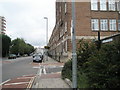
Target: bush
104	67
82	80
96	68
67	73
67	70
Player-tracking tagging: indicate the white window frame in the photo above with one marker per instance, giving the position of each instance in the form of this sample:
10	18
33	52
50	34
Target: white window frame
111	5
103	24
112	25
66	47
65	26
94	5
118	6
103	5
94	24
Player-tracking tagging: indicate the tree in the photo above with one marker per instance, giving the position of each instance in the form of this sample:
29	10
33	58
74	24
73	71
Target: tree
29	49
19	46
6	41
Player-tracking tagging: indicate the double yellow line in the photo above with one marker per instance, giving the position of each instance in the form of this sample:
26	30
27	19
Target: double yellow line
31	82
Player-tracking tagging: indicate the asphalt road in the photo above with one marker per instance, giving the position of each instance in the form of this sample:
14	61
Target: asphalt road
18	67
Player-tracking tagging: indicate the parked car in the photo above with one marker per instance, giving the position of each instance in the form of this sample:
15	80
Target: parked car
18	55
12	56
37	58
41	55
25	55
33	55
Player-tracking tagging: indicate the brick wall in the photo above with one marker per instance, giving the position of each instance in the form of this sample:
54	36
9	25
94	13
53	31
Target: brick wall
84	14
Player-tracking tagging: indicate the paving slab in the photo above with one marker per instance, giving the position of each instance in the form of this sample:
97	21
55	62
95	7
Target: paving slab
51	80
52	83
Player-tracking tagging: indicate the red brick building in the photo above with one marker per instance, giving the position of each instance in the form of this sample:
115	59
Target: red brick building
91	17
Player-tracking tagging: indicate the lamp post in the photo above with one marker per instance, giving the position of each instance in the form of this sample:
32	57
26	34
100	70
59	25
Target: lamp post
46	30
74	55
46	35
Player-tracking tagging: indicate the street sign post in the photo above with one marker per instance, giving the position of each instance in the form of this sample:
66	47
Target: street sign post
74	55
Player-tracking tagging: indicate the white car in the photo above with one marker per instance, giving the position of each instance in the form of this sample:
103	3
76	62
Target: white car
37	58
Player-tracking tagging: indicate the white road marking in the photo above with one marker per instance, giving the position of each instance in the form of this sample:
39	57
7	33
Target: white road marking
24	77
44	71
58	72
61	66
36	67
16	83
54	66
5	81
27	75
55	72
36	85
30	63
40	71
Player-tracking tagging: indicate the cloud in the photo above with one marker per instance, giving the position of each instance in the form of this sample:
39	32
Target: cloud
25	19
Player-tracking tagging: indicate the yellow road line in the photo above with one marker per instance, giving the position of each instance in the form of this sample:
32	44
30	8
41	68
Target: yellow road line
31	82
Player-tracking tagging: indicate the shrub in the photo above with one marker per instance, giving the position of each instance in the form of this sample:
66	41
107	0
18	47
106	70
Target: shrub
103	67
67	73
96	68
67	70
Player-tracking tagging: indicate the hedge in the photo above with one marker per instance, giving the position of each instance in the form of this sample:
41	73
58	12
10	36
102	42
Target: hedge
96	68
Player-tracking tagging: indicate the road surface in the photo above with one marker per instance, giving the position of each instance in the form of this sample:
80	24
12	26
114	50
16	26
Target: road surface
14	68
19	72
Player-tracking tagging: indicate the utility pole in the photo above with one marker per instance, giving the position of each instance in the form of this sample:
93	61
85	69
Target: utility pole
46	30
74	55
46	36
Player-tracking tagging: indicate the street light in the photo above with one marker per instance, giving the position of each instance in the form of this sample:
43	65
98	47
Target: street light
46	30
74	55
46	35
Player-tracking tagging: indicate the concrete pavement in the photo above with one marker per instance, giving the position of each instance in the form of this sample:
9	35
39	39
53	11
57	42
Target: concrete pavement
50	80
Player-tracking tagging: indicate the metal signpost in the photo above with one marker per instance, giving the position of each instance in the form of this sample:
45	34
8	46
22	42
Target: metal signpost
74	55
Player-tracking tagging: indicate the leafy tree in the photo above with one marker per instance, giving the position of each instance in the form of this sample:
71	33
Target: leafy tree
6	41
19	46
29	49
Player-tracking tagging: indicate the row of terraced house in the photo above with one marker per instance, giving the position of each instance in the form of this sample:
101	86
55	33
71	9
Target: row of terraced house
91	17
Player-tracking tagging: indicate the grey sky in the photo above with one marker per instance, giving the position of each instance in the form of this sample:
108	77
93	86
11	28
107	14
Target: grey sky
25	19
